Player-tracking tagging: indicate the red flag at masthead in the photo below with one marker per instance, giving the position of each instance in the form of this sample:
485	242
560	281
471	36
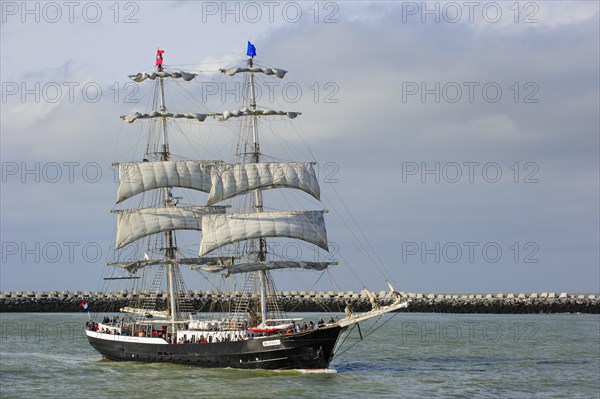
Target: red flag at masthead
159	57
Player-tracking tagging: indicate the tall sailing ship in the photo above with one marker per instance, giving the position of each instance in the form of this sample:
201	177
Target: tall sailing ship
253	332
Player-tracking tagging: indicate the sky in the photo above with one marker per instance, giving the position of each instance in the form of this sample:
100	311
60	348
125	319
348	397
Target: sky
458	142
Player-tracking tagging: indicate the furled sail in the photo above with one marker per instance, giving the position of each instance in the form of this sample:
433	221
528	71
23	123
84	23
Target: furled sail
259	112
163	114
133	224
220	230
145	312
137	177
141	76
280	73
134	265
256	266
231	180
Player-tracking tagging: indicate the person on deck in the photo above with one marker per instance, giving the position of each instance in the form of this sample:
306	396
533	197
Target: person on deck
348	310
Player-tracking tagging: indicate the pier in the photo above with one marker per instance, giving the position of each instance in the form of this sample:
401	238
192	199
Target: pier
312	301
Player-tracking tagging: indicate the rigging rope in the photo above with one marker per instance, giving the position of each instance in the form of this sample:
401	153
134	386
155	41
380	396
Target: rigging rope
366	335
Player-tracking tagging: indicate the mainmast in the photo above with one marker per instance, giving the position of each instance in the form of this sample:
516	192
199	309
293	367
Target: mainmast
169	235
159	172
261	255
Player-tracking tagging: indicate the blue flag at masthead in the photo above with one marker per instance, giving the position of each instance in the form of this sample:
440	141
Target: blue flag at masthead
251	52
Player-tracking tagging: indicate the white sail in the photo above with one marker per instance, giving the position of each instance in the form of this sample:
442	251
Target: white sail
137	177
280	73
141	76
256	266
231	180
220	230
163	114
133	224
135	265
259	112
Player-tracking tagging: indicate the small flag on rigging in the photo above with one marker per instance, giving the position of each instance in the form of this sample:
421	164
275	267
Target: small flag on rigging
251	52
159	57
84	305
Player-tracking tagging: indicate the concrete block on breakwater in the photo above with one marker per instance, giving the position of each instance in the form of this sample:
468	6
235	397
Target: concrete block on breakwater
312	301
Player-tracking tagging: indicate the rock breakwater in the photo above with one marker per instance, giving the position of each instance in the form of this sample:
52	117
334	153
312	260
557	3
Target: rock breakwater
311	301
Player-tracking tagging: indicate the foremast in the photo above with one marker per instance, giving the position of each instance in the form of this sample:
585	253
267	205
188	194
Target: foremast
253	225
258	204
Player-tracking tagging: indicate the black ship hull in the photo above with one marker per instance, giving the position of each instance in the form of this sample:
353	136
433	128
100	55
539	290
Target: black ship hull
304	350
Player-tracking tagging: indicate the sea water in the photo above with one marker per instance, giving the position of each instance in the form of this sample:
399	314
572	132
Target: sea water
406	355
